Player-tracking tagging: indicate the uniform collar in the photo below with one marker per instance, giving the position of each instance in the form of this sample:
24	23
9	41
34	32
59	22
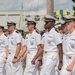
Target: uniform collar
73	32
52	30
33	32
13	32
2	34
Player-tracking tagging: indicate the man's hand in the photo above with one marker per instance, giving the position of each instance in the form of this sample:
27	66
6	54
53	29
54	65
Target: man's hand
33	61
22	58
14	60
69	67
60	66
39	63
5	61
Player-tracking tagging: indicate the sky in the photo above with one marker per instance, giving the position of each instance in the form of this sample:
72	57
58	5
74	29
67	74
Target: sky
35	6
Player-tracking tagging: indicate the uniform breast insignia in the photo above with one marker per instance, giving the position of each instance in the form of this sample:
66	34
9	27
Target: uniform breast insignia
31	42
73	39
32	38
50	36
12	43
26	37
12	38
49	42
72	46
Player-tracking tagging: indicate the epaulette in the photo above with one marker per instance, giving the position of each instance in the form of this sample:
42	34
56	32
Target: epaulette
37	31
17	31
5	35
42	33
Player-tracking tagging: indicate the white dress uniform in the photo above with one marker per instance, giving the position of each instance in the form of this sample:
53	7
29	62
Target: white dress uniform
50	40
69	53
31	41
13	68
3	44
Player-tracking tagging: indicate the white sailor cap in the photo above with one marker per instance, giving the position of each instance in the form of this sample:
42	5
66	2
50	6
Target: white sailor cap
10	22
50	18
69	18
19	28
2	27
31	21
62	22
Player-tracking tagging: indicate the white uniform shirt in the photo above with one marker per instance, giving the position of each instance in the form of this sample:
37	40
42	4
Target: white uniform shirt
14	38
64	42
3	42
71	43
23	41
50	40
32	40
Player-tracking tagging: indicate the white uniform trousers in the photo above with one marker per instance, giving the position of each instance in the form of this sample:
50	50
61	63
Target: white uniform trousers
30	68
67	59
2	58
12	68
50	60
4	71
57	71
21	68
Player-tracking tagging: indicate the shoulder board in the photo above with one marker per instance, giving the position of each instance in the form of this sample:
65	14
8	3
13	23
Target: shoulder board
37	31
17	31
5	35
42	33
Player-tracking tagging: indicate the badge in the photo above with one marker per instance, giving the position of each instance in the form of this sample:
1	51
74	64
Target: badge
32	43
11	43
50	36
32	37
26	38
73	39
49	42
72	46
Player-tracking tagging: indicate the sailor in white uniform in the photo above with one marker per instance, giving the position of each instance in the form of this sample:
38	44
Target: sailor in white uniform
52	44
12	65
69	51
33	44
3	49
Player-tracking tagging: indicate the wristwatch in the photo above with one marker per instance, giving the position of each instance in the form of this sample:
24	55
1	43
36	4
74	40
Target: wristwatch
6	58
15	57
60	61
40	60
